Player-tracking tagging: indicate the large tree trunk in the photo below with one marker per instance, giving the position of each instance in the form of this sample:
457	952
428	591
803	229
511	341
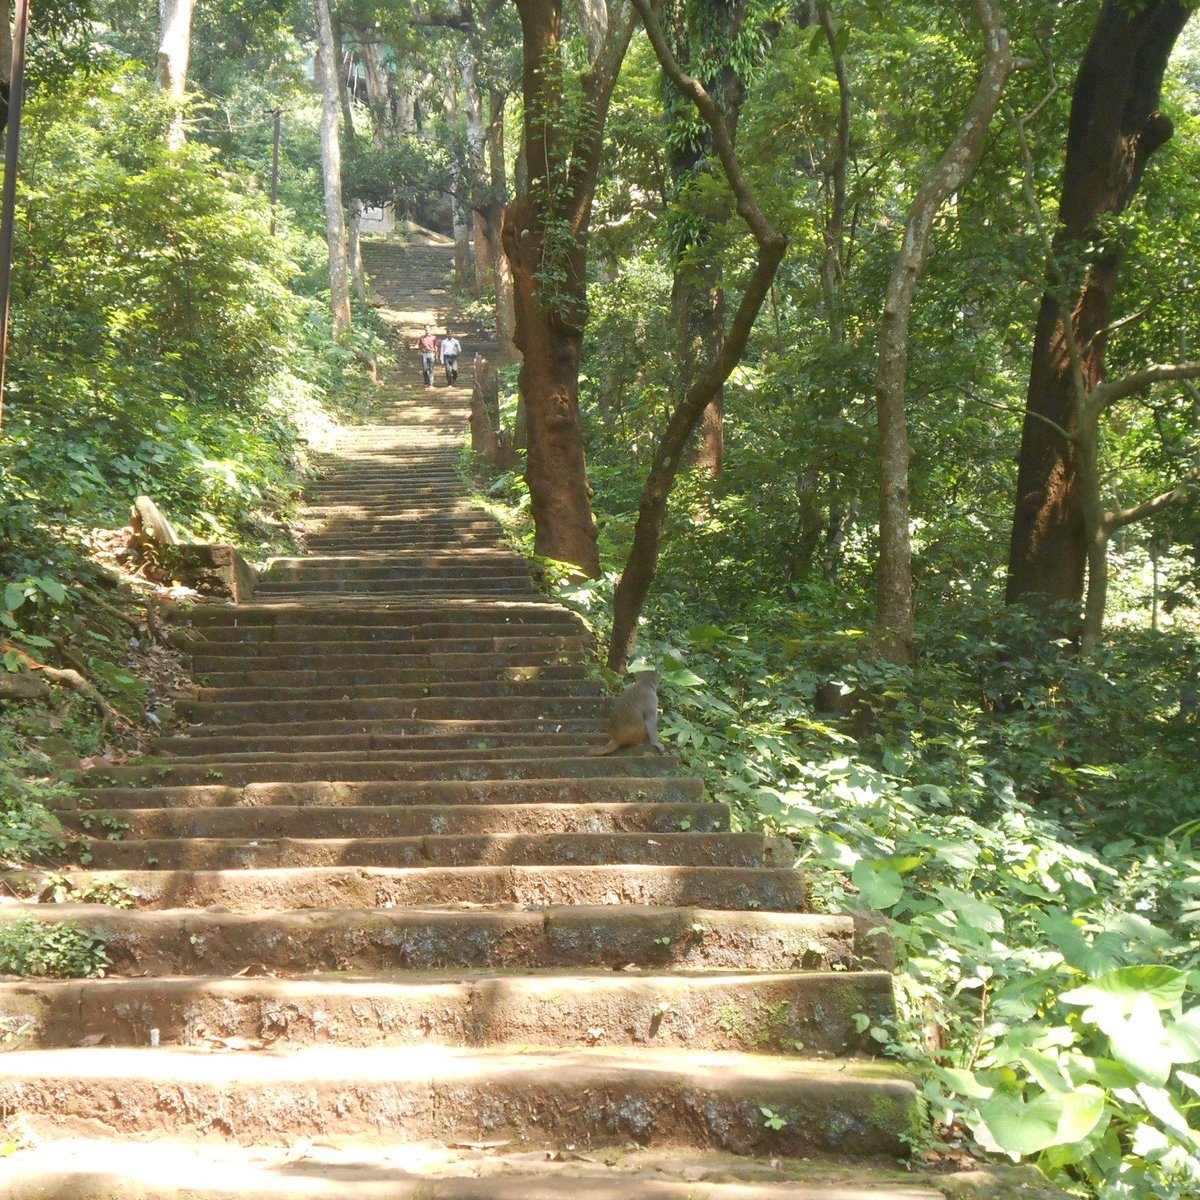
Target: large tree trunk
325	65
379	98
1115	128
174	51
894	613
6	53
476	151
460	202
547	227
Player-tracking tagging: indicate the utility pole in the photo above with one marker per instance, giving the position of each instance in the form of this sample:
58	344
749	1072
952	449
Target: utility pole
8	208
275	169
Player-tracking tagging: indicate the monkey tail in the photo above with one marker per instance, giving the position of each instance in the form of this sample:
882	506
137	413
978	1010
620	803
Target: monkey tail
608	748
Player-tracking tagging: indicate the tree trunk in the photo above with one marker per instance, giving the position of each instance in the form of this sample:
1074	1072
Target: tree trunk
358	271
1115	127
174	51
476	143
502	276
6	53
547	226
331	169
894	614
640	567
460	207
379	97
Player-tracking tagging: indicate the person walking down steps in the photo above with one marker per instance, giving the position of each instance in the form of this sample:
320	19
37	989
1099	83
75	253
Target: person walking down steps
451	349
427	347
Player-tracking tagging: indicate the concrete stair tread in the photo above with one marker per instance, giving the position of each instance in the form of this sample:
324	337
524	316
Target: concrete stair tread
394	1170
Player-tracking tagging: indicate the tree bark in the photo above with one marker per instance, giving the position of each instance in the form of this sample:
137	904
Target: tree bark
331	169
1115	127
460	206
174	51
640	567
379	97
506	321
6	53
545	239
894	613
358	271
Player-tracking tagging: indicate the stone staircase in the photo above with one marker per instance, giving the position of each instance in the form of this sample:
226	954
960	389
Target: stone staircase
396	933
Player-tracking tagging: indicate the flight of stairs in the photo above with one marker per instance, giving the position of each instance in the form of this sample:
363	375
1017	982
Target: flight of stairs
397	933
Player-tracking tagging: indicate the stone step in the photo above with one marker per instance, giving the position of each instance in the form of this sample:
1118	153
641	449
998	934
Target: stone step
78	1169
485	710
466	765
478	848
295	635
218	744
430	676
499	586
581	795
810	1012
483	689
769	889
490	654
708	1099
202	942
387	613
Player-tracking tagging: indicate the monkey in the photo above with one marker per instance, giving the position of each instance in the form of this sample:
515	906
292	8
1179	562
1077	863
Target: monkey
634	717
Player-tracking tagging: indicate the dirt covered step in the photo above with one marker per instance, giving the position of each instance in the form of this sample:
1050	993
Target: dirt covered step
460	567
356	767
491	689
811	1012
708	1099
295	635
499	586
399	820
203	942
479	848
580	795
387	613
773	889
356	656
499	709
77	1169
279	676
282	739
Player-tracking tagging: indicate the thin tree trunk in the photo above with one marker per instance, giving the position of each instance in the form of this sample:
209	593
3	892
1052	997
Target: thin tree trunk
459	203
894	614
481	276
506	322
331	168
640	567
343	83
6	53
1115	127
378	93
174	51
358	271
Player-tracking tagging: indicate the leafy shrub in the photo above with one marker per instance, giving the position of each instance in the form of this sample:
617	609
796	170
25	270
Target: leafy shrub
61	950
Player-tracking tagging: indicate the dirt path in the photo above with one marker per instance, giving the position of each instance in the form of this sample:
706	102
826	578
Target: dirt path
398	934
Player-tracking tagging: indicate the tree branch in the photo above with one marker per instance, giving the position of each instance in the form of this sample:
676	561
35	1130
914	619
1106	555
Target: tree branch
1184	490
1105	395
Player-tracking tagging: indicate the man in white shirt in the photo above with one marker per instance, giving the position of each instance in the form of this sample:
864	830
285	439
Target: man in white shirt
451	348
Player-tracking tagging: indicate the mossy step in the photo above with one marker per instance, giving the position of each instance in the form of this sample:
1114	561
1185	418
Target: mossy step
809	1013
580	795
766	889
587	1097
199	942
465	765
482	847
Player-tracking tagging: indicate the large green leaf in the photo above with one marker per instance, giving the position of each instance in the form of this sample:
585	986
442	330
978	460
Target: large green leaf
1121	990
1023	1127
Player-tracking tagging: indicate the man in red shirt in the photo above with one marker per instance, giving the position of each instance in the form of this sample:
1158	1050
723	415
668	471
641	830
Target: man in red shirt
427	346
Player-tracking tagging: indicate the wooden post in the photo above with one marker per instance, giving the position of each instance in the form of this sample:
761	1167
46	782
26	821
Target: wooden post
8	211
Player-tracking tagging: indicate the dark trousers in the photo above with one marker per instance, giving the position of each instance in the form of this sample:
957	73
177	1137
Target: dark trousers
450	362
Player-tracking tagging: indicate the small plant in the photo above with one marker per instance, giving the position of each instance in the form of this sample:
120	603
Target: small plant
771	1119
59	950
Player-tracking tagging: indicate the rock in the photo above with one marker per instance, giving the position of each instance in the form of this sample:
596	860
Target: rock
210	570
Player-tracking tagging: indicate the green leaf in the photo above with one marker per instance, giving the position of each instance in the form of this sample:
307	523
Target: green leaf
879	886
14	595
1120	990
1020	1127
52	588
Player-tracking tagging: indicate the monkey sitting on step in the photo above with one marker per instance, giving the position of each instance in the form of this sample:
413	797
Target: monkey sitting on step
634	717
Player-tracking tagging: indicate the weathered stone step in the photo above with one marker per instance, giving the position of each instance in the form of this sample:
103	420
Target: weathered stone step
295	635
402	570
334	542
466	765
810	1013
405	820
202	942
487	653
580	795
498	585
492	689
273	741
589	1097
76	1169
769	889
387	613
480	848
484	710
431	675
